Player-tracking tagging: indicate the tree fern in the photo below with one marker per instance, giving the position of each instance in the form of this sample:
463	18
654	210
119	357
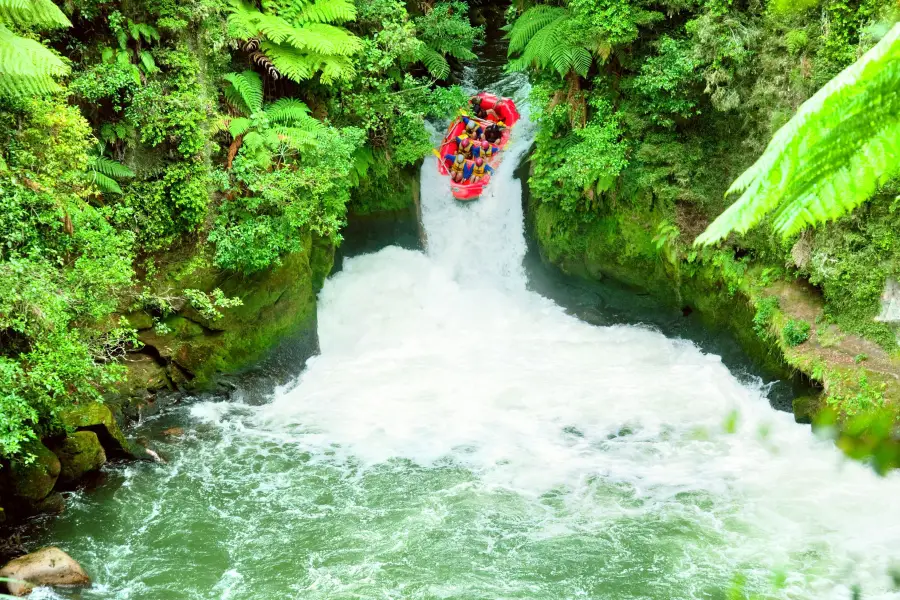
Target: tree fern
297	40
842	144
542	37
26	66
288	110
436	64
33	13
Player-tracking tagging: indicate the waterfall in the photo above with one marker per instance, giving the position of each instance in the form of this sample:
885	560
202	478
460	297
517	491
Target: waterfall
462	437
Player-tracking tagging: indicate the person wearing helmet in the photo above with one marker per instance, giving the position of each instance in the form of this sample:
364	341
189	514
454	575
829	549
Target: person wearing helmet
493	133
457	161
464	145
479	170
477	109
488	150
468	170
473	127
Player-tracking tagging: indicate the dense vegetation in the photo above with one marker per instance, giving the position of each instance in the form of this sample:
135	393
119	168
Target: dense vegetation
656	115
650	110
219	128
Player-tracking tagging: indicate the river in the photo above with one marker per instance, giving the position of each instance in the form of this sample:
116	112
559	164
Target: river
461	437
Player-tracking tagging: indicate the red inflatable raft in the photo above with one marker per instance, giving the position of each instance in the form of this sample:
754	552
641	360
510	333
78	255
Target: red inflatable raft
505	111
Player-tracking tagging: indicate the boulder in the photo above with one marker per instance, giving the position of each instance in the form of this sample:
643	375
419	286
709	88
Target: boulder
79	453
46	567
98	418
33	477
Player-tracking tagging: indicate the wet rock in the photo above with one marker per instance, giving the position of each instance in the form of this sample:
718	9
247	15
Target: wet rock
801	252
46	567
54	504
806	408
890	303
33	479
79	453
98	418
173	432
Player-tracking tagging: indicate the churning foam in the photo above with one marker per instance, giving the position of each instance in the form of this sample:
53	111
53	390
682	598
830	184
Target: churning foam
445	358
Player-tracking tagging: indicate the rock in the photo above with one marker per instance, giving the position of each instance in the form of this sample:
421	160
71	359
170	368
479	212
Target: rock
139	320
33	480
801	252
46	567
98	418
54	504
2	515
806	408
173	431
890	303
79	453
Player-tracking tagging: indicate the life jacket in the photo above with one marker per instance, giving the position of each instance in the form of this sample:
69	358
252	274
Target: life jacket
473	127
477	151
468	169
490	151
456	166
479	171
467	151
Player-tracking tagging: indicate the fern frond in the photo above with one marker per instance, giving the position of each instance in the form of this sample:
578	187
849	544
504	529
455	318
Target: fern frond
326	11
105	183
830	157
296	138
300	66
435	63
530	23
27	67
33	13
238	126
245	93
148	62
110	168
288	110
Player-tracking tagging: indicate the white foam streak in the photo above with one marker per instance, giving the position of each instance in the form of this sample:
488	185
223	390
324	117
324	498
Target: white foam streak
445	357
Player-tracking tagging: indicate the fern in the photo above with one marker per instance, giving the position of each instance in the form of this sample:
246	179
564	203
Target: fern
33	13
104	172
302	43
288	110
436	64
245	94
543	38
842	144
27	67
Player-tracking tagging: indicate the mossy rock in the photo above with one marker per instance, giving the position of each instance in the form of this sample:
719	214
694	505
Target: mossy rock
276	304
79	453
98	418
33	478
144	374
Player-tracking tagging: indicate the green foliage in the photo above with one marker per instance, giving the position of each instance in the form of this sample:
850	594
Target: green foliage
795	332
297	39
208	304
666	80
832	156
766	309
446	31
63	267
544	38
26	66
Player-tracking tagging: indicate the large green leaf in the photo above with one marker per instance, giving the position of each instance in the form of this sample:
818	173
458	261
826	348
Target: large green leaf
842	144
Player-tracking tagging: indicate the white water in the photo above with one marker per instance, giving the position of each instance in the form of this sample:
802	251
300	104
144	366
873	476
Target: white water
471	440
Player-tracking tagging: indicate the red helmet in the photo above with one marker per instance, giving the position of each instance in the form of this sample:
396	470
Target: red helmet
485	144
464	143
479	161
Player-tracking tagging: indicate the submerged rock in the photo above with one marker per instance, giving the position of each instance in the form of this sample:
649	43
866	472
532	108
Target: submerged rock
33	479
46	567
79	453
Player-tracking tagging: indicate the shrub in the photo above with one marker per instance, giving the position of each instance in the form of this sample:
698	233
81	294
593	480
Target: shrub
795	332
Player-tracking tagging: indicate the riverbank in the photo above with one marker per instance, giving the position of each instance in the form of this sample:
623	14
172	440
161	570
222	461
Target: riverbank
852	380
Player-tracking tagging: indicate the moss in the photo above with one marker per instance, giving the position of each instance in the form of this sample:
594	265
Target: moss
33	478
276	303
79	453
769	316
98	418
